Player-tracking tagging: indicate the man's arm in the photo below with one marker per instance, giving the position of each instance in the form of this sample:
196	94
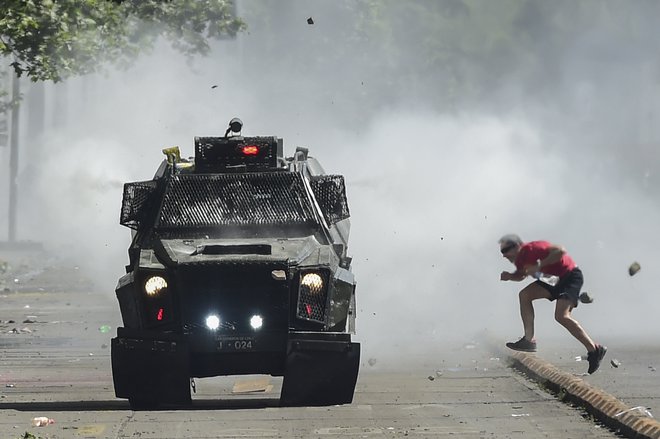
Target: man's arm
515	276
555	253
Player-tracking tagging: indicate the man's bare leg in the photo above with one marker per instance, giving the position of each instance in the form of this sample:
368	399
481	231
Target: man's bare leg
563	316
526	296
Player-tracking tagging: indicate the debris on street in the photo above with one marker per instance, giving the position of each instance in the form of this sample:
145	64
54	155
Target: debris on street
104	329
253	386
634	268
42	421
586	297
20	331
639	409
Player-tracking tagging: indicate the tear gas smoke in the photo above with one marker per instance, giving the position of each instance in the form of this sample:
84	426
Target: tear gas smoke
430	191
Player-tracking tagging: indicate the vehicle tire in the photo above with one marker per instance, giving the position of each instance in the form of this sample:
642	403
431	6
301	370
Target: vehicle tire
138	404
320	373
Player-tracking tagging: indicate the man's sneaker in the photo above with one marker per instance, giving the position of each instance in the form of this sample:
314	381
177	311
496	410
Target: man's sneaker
522	345
595	358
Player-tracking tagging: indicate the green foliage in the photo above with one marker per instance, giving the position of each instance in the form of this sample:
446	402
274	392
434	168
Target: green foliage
55	39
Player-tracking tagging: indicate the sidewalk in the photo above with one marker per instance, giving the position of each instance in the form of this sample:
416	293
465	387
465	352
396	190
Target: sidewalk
623	394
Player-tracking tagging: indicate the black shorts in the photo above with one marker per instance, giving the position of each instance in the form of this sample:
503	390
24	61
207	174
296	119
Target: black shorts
568	287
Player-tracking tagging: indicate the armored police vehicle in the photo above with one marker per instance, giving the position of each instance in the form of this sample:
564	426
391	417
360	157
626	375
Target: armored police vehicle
238	265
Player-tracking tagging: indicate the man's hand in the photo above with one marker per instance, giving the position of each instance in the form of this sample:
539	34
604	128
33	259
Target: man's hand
505	275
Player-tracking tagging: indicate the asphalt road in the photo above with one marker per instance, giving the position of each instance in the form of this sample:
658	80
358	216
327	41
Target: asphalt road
55	362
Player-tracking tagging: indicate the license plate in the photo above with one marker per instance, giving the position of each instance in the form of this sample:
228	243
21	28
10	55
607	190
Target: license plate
235	344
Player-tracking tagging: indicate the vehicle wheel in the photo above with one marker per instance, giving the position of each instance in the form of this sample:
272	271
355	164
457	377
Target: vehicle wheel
319	373
138	404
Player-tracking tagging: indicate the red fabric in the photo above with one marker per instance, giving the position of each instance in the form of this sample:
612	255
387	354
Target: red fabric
530	252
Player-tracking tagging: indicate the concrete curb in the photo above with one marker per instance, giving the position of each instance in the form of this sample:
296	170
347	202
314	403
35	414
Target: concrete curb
600	404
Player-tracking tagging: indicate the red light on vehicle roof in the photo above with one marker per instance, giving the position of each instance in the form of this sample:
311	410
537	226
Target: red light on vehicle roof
250	150
159	316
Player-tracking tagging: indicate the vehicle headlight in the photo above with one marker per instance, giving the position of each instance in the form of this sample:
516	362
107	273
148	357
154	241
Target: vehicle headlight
154	285
313	282
256	322
213	322
312	296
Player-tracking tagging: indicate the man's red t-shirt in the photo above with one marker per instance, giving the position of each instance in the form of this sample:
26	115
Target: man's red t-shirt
530	252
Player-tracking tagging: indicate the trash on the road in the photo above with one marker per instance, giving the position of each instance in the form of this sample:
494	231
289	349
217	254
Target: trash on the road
652	368
253	386
9	386
29	321
615	363
42	421
438	373
634	268
310	20
586	297
639	409
20	331
517	415
431	377
104	329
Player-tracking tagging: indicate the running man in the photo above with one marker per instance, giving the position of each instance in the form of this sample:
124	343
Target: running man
538	258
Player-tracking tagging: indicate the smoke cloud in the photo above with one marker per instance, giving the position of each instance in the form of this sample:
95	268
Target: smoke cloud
565	151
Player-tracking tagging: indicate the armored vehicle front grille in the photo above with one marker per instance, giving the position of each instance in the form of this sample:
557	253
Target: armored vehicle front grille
235	294
211	200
